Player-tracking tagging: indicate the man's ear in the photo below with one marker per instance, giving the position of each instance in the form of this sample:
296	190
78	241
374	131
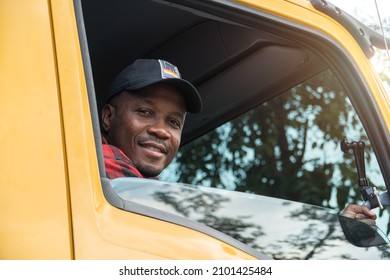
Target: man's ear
108	114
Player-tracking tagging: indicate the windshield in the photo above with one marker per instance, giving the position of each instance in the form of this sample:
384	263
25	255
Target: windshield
278	228
376	15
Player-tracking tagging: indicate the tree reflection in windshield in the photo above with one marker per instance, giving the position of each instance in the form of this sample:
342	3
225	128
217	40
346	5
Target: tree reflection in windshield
202	207
288	147
277	228
314	239
319	232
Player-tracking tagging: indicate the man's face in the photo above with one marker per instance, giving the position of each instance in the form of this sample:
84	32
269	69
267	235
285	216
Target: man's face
146	126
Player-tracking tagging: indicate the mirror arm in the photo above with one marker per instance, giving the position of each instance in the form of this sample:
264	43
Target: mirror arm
369	193
384	199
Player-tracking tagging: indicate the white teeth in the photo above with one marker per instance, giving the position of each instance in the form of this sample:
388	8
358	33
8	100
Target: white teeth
153	149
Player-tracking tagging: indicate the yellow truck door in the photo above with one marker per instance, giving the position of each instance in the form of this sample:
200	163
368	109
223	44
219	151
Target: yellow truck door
34	198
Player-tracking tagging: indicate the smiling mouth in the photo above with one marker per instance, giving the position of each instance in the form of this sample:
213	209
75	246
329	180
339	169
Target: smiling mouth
154	147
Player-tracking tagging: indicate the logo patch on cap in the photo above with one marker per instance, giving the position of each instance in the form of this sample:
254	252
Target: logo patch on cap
168	70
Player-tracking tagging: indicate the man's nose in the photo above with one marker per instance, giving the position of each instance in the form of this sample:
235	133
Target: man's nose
159	129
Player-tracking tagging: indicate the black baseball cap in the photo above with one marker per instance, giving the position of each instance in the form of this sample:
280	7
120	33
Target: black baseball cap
145	72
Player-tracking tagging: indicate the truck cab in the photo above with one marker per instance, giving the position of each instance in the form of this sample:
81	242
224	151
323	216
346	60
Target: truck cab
263	171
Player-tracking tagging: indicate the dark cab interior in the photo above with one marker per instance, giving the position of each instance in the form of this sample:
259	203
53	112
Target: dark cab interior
234	65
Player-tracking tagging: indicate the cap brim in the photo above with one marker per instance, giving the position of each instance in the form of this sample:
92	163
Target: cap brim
191	96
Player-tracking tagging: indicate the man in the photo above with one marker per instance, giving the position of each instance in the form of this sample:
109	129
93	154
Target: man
143	118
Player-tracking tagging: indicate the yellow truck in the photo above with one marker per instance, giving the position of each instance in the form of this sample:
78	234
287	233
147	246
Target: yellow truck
260	174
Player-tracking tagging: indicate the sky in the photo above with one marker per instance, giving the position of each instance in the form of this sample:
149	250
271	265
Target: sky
366	11
367	5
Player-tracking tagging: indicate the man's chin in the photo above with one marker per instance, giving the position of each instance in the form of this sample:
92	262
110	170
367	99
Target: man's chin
150	171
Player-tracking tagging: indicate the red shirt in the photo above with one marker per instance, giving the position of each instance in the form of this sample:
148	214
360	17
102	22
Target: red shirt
117	163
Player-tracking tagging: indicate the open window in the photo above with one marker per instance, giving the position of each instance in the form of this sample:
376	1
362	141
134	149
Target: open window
278	99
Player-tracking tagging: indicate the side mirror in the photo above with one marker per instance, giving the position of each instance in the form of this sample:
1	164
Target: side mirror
361	234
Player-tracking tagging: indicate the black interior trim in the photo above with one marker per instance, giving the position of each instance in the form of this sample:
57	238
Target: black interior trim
90	85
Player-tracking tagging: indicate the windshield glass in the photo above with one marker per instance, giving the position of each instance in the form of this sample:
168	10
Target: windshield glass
376	15
278	228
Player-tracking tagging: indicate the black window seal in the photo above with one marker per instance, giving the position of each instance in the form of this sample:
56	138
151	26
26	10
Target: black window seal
364	35
90	85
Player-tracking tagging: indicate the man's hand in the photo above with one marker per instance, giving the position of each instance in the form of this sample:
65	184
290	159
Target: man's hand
359	212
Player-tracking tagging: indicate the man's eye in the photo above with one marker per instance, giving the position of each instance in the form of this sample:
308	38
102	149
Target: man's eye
175	123
144	112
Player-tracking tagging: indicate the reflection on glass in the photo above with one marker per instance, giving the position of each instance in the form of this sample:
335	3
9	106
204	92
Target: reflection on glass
288	147
278	228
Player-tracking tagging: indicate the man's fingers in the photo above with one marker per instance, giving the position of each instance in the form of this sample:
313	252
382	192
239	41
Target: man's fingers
363	218
356	211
